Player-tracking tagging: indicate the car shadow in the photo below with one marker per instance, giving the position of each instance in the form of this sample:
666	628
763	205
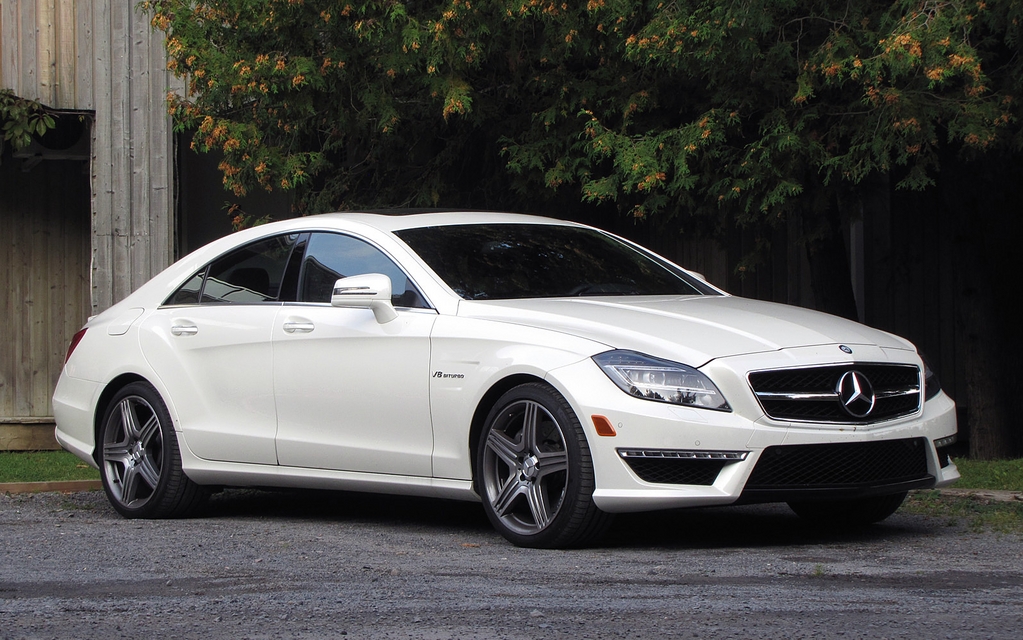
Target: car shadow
763	525
345	506
750	526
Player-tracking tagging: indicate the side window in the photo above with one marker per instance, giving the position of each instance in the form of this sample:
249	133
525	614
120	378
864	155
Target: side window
330	256
253	273
189	292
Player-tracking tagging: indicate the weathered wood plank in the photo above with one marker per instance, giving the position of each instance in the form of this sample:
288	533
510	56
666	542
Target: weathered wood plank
102	162
26	51
84	56
120	142
140	150
35	362
66	58
27	437
20	261
43	487
5	37
7	301
46	51
161	141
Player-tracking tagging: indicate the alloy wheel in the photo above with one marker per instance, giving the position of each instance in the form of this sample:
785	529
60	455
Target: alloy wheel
133	452
525	467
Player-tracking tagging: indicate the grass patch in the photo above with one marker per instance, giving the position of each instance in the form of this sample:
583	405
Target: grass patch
977	513
43	466
974	512
1006	475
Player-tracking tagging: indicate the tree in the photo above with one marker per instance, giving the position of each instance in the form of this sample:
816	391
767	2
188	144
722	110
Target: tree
351	104
713	113
760	110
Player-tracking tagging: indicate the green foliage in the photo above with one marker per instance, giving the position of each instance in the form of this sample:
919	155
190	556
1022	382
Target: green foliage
43	466
710	108
22	119
759	107
349	103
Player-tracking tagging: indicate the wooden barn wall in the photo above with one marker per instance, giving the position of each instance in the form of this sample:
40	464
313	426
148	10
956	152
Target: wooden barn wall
44	274
101	56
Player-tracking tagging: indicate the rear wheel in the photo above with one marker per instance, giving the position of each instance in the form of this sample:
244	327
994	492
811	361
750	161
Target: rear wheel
534	472
140	463
850	513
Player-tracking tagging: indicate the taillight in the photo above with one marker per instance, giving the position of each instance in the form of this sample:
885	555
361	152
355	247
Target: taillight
74	343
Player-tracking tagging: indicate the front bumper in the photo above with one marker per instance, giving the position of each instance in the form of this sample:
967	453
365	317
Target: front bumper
664	456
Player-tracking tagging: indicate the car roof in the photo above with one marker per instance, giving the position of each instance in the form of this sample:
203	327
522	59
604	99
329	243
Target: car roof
398	219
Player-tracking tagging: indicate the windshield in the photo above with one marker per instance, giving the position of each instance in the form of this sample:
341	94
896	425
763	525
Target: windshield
507	261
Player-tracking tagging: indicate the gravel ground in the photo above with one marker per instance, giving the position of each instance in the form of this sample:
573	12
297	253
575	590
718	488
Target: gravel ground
316	564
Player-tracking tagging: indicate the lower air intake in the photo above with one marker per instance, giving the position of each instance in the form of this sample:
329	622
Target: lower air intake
864	467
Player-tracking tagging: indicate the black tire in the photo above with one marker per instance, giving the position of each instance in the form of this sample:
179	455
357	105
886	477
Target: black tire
534	471
859	512
139	460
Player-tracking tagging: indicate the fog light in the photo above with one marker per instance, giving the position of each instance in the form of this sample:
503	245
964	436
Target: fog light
941	446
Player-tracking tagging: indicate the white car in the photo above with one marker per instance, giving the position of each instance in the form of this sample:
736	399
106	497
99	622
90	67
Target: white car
553	371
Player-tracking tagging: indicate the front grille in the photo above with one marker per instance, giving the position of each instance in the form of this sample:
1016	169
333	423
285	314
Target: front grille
679	467
812	394
836	466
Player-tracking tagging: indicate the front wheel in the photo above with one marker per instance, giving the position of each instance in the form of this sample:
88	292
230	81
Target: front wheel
534	471
139	459
858	512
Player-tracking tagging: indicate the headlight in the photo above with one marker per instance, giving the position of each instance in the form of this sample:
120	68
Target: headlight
931	384
660	380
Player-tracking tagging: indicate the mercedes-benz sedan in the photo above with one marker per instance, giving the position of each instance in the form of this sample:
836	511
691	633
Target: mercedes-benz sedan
553	371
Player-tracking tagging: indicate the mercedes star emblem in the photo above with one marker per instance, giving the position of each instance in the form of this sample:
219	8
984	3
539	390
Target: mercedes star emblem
856	394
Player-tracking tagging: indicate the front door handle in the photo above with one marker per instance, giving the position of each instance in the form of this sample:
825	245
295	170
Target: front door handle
298	327
184	329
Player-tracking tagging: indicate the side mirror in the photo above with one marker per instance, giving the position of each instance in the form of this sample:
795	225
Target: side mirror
366	291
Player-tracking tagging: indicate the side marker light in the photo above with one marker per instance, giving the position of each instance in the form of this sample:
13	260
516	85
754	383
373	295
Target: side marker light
603	426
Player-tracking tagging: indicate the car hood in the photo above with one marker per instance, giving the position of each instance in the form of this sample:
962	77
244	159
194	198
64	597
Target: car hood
691	329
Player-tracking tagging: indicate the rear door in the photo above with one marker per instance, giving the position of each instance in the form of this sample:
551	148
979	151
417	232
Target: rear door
211	344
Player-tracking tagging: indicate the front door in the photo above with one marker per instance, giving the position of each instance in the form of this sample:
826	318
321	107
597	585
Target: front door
352	394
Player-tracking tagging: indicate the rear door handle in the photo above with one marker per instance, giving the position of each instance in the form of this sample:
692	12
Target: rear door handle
298	327
184	329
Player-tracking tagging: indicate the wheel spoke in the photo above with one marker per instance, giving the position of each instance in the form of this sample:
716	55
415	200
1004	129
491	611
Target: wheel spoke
551	462
530	418
129	485
504	448
149	432
503	502
149	473
129	419
116	452
537	498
